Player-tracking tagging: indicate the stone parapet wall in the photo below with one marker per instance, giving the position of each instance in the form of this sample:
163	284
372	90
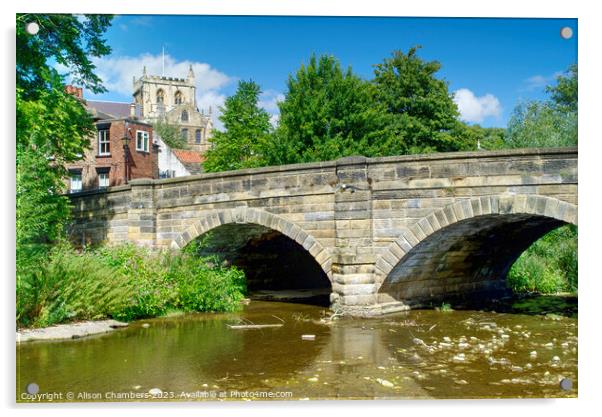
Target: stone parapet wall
358	217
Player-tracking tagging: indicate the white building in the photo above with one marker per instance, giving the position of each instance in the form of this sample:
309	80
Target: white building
177	162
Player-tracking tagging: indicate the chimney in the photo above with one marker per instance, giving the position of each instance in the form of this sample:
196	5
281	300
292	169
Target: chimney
78	92
133	110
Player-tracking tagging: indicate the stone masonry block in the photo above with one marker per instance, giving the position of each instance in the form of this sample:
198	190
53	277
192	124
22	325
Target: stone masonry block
551	209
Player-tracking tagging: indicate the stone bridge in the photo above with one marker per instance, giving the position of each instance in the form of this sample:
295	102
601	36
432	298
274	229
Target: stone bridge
388	233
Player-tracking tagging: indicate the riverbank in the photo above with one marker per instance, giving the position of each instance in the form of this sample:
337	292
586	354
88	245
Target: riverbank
69	331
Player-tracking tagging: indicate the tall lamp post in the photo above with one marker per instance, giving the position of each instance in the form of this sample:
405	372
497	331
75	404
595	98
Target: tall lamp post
126	153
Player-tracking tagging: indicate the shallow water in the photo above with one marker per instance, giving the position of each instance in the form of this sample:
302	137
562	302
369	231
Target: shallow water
419	354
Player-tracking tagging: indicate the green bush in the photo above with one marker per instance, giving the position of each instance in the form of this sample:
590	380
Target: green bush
123	282
69	285
549	265
151	292
201	286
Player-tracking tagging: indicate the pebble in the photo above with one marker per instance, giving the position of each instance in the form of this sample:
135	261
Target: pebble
460	357
447	339
533	354
461	381
145	325
555	359
418	341
385	383
155	391
312	379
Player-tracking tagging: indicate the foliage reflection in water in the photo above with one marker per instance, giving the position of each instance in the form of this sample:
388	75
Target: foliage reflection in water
419	354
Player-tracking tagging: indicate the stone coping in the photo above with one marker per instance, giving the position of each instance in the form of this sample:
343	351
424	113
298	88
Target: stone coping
347	161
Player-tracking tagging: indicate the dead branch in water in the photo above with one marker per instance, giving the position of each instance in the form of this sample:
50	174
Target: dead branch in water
253	326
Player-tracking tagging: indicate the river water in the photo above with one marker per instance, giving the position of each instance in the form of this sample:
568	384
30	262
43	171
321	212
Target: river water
419	354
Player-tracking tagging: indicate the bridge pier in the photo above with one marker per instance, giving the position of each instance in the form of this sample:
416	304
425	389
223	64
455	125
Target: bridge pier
354	284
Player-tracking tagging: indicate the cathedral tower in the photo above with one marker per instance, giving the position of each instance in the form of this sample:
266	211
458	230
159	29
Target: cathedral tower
173	100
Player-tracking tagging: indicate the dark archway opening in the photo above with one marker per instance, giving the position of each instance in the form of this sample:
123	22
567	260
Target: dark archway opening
465	263
276	267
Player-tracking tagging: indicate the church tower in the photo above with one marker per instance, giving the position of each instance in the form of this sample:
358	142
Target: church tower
173	100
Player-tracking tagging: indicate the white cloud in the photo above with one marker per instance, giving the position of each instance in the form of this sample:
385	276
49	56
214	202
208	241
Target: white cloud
538	82
274	119
117	73
269	100
212	100
476	109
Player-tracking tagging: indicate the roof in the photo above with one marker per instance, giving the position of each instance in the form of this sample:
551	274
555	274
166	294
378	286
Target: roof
192	160
184	155
113	108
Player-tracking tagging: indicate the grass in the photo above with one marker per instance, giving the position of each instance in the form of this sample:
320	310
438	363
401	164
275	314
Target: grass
549	266
122	282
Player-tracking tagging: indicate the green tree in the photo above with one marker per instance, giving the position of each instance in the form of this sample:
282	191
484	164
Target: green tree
247	130
171	134
540	124
564	93
550	264
422	111
53	127
64	39
328	113
475	137
549	123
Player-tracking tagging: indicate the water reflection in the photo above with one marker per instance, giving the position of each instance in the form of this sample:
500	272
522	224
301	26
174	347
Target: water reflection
466	354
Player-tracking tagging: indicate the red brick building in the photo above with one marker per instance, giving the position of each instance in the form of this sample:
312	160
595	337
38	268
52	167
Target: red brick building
112	160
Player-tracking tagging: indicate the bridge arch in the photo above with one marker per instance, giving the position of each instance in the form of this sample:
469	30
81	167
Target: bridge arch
244	215
466	246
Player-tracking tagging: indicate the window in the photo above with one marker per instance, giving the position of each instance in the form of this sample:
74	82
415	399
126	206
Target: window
178	98
184	116
142	141
103	179
184	133
160	97
104	142
75	183
197	136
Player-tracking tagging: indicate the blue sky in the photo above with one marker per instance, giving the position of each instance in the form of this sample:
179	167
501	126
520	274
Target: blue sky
491	64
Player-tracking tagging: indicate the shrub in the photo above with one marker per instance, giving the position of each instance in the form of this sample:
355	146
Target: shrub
69	286
202	286
125	282
549	265
151	292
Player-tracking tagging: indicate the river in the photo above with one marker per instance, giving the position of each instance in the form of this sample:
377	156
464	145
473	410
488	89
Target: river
523	352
